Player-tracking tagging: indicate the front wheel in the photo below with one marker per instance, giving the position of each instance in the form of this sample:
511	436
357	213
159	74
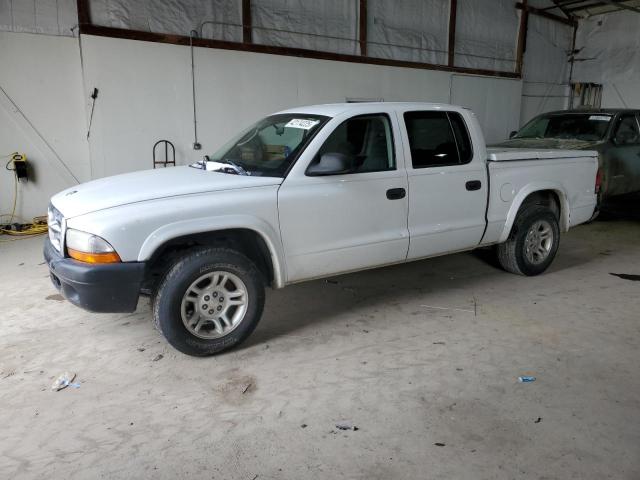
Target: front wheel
211	300
532	243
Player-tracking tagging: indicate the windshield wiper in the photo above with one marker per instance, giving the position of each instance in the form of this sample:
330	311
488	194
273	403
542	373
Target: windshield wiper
239	168
220	166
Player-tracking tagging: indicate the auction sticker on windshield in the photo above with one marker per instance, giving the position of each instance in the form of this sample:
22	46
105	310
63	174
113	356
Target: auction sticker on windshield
301	123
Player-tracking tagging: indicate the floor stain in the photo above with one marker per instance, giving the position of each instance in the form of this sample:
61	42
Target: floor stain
57	297
237	388
626	276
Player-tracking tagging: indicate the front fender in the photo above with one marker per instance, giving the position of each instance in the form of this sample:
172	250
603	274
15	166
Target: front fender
527	190
215	223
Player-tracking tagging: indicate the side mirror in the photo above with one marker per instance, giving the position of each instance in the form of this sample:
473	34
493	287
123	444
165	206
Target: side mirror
331	164
513	133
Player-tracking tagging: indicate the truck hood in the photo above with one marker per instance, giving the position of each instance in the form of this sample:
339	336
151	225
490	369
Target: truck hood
550	143
149	185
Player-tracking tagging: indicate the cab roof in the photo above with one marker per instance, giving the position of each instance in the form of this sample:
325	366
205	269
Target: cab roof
334	109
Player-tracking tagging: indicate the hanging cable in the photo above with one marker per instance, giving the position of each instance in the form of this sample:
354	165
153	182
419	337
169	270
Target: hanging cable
196	33
94	95
196	144
20	230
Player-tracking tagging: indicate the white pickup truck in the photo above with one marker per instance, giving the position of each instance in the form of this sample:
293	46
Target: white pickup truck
306	193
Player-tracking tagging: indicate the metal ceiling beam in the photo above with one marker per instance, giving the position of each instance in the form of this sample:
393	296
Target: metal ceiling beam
585	5
596	4
564	3
560	6
542	13
567	3
622	5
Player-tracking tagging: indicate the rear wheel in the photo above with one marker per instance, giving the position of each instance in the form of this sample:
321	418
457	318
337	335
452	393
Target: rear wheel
532	243
209	301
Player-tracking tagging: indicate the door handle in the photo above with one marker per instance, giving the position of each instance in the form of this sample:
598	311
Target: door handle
396	193
473	185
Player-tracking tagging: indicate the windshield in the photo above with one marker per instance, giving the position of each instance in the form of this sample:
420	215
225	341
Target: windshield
269	147
578	126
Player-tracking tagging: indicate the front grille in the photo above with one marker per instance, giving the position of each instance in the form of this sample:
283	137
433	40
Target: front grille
54	221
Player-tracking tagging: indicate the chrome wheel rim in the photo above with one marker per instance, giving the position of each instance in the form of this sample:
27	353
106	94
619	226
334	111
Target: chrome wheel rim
214	305
538	242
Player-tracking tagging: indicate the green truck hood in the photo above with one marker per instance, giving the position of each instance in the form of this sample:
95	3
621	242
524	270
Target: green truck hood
553	143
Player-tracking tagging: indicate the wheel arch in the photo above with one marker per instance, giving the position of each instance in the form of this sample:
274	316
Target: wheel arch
551	195
254	238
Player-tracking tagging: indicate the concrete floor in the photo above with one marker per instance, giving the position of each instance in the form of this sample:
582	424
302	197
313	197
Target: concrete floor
415	356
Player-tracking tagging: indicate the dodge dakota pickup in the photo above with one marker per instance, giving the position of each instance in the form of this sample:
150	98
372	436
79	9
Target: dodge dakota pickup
302	194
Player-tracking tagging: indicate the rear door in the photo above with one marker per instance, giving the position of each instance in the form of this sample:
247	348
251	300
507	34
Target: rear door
339	223
447	183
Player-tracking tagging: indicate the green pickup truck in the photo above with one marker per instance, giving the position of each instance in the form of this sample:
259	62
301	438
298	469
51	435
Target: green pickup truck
613	133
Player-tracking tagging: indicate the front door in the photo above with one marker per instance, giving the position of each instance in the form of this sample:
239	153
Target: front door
350	221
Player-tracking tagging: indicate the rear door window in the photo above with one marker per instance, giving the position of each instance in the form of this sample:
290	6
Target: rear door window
437	139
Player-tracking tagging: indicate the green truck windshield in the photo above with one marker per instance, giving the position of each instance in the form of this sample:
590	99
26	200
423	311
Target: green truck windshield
578	126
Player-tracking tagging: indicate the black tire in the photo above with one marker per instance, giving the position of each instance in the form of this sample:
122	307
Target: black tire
511	254
186	270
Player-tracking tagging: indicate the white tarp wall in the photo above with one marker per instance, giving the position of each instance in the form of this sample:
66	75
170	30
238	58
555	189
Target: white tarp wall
177	17
546	67
495	101
42	115
414	30
51	17
610	55
486	34
288	23
327	25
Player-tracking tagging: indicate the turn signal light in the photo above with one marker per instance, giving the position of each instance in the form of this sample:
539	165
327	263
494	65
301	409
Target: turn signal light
598	181
108	257
89	248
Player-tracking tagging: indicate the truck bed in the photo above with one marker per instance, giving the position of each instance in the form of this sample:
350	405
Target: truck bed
515	172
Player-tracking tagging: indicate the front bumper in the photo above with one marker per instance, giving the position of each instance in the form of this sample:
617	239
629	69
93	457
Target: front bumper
113	287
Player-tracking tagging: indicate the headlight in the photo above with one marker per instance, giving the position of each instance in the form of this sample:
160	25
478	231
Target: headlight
85	247
54	220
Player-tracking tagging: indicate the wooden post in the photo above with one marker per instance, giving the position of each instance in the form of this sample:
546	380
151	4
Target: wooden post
246	21
362	34
452	31
572	62
522	37
84	18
